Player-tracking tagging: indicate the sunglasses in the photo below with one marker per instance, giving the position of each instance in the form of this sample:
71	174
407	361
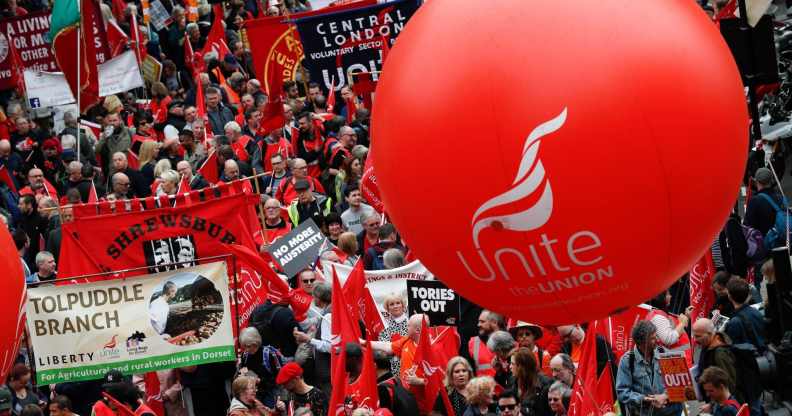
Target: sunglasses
507	406
308	280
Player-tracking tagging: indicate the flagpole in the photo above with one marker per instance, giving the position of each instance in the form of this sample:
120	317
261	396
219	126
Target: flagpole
79	86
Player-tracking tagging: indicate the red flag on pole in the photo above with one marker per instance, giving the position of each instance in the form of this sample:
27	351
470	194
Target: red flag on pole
331	96
702	298
428	367
215	41
153	397
116	38
140	53
132	160
92	195
18	67
5	177
184	185
363	307
363	391
344	329
209	168
585	398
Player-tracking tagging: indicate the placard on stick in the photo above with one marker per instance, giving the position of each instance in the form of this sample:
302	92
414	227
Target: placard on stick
298	249
433	298
676	377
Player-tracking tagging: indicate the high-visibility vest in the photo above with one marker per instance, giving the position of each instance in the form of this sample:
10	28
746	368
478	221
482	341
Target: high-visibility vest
482	356
683	342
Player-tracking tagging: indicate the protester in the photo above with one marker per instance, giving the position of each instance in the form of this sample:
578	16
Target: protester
747	324
526	334
479	394
528	382
714	350
639	383
715	383
21	393
244	402
508	404
488	322
262	362
558	397
563	369
301	394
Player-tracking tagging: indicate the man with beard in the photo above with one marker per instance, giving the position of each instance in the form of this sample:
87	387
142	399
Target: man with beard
308	143
114	139
488	322
274	144
271	182
38	186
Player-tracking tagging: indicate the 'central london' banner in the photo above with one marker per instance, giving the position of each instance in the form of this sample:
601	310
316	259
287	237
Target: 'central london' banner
351	41
155	322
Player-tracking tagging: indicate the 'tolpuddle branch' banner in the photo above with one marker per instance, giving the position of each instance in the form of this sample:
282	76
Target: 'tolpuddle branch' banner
148	323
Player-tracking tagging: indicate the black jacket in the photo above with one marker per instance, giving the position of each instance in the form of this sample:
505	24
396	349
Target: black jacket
759	213
275	324
733	247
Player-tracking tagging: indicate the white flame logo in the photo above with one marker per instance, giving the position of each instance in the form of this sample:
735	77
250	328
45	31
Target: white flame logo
526	182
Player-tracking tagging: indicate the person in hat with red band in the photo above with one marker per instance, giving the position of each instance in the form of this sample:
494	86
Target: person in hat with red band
526	334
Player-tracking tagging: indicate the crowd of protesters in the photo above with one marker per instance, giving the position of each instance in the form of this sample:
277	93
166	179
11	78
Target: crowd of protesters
312	169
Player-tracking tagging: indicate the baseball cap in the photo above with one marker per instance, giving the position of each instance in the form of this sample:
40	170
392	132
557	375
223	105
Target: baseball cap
302	185
5	398
764	176
288	372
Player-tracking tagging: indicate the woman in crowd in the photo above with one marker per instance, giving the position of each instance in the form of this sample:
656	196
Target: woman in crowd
160	99
669	329
395	316
458	373
558	397
349	175
169	183
478	393
347	242
528	382
21	392
244	402
160	167
149	151
177	82
262	362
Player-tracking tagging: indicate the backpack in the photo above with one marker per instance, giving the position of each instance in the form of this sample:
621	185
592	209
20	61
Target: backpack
749	380
777	235
755	241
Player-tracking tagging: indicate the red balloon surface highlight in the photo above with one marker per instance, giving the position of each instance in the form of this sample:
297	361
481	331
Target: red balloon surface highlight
12	302
558	160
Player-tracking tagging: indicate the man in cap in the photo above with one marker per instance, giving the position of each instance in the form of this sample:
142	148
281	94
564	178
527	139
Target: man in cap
308	204
760	213
301	394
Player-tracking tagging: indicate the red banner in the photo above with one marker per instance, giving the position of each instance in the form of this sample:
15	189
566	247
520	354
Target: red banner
125	236
702	298
29	34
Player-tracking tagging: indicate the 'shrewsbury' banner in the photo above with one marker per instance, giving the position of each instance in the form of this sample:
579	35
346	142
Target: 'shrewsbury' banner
167	320
356	35
435	300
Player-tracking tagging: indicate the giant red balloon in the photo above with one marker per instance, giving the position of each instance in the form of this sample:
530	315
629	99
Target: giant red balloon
556	160
12	303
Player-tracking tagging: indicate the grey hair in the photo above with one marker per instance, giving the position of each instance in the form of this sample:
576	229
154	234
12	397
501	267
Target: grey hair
641	331
499	319
393	258
500	341
566	361
233	126
250	335
323	291
43	256
170	175
562	388
68	141
75	165
303	411
190	26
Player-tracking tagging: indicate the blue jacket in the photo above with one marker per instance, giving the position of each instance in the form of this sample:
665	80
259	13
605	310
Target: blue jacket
643	380
746	326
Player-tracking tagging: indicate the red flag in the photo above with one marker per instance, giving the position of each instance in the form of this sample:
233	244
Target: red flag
118	7
585	398
616	329
702	298
132	160
272	116
344	329
189	59
116	38
153	397
605	390
428	367
65	43
92	195
300	301
5	177
331	96
445	342
19	69
209	168
363	391
727	12
744	410
364	307
200	107
124	409
215	41
140	53
184	185
364	86
351	108
369	187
